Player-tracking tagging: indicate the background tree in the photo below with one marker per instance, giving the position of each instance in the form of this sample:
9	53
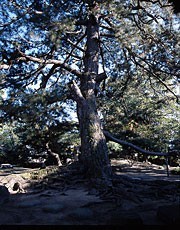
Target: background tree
51	43
30	122
145	116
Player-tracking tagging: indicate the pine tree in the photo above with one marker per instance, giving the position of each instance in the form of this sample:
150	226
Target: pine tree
50	43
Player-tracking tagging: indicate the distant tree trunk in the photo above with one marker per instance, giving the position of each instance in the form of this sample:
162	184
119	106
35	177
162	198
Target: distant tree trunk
54	155
94	151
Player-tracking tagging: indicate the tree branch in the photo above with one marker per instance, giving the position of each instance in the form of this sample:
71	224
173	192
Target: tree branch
45	78
76	92
125	143
156	76
75	45
100	77
59	63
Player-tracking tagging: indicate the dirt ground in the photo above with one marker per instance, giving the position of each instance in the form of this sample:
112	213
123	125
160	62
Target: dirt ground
50	198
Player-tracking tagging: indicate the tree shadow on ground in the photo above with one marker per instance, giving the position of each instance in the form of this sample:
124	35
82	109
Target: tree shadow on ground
63	196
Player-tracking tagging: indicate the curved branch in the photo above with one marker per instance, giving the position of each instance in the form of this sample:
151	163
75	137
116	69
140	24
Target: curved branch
134	56
52	61
59	63
76	92
125	143
45	78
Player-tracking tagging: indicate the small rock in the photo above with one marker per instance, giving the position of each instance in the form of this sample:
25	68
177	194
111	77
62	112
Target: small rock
53	208
4	194
169	214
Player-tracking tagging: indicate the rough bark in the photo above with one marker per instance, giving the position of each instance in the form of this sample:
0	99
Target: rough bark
94	151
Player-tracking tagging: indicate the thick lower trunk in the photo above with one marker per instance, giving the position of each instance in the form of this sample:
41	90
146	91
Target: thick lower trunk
94	151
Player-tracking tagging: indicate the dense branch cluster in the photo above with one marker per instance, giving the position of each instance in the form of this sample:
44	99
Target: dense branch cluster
75	40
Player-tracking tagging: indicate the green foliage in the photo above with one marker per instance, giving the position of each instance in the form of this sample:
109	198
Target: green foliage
146	117
32	120
114	146
175	171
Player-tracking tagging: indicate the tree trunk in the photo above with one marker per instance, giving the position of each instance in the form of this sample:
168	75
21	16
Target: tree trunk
54	155
94	151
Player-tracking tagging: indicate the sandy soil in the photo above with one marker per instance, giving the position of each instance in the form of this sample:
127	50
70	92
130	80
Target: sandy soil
56	200
144	171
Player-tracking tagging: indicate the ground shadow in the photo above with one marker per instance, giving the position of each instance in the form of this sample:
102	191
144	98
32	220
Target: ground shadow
65	197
